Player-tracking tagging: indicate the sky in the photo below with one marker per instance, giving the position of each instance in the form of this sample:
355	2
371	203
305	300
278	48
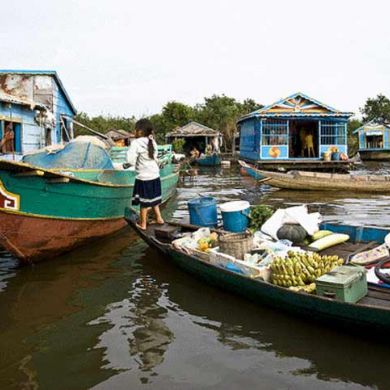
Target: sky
125	57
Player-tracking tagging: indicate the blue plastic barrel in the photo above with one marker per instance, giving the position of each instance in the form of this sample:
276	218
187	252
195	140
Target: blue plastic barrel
235	216
203	211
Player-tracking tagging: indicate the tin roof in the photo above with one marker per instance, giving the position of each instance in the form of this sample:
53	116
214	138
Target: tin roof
297	105
4	97
119	134
193	129
372	126
52	73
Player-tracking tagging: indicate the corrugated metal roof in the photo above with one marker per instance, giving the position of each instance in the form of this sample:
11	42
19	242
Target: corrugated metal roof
52	73
193	129
372	125
12	99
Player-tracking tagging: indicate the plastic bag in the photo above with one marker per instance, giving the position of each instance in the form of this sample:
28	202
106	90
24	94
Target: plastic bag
296	214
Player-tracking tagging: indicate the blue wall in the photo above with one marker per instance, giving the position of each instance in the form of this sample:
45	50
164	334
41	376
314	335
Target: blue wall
62	107
251	147
250	139
27	132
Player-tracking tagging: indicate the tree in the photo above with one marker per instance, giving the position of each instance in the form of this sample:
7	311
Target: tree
221	112
376	109
173	114
103	124
352	139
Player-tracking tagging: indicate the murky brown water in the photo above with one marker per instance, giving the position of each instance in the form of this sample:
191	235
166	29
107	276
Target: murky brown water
116	315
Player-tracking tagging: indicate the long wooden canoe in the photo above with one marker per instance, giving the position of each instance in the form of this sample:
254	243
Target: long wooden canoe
318	181
45	212
372	312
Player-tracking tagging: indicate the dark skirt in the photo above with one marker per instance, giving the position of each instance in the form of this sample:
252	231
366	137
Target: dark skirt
146	193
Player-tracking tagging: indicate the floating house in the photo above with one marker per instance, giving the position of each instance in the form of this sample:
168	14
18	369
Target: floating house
195	135
35	111
374	141
295	129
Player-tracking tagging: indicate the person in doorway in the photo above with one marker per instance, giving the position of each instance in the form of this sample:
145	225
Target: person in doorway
309	144
142	154
7	143
194	153
209	149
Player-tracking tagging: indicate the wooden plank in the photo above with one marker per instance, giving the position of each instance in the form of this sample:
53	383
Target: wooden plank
58	180
33	172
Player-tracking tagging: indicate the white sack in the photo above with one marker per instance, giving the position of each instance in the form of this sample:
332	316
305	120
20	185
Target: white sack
296	214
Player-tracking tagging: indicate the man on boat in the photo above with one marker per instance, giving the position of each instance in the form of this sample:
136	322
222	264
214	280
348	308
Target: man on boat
7	143
194	153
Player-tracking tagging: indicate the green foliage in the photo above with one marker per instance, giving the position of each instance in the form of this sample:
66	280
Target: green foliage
352	139
258	215
219	112
377	109
178	145
103	124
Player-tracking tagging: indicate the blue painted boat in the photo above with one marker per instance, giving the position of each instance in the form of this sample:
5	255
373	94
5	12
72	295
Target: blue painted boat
371	312
250	170
212	160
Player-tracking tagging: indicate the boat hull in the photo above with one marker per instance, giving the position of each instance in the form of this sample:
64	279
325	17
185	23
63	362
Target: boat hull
326	310
45	213
209	161
32	239
318	181
374	155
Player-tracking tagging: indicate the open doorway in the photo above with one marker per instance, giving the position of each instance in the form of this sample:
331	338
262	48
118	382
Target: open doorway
304	142
374	141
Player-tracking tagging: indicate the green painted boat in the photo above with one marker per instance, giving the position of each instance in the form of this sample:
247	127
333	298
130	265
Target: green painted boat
211	160
45	212
371	312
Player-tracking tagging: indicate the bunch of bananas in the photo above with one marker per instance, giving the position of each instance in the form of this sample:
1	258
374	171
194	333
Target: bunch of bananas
302	268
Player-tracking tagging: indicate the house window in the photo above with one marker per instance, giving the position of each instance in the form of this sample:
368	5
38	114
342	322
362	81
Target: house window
333	133
275	132
11	137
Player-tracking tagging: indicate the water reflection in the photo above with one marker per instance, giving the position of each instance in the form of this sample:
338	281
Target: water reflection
44	309
138	336
116	315
239	325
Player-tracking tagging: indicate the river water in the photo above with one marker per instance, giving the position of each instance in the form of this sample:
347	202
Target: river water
115	315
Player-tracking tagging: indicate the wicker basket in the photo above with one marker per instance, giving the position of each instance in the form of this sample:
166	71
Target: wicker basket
236	244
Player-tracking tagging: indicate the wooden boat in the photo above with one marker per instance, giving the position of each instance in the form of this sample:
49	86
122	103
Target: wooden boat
45	212
371	312
375	155
211	160
318	181
250	170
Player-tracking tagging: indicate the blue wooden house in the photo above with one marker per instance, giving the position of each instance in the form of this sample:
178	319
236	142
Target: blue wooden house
36	107
374	141
296	128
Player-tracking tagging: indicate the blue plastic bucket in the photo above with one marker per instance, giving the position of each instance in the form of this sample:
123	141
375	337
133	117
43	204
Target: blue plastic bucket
203	211
235	216
336	156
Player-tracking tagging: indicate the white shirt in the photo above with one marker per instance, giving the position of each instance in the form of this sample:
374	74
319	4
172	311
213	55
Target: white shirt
138	156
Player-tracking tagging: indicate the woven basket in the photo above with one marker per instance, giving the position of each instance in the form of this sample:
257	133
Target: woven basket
236	244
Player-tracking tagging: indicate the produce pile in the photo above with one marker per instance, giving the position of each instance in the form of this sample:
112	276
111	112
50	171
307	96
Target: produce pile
299	270
258	215
204	244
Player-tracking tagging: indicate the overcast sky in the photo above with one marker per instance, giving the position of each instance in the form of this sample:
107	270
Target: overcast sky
130	57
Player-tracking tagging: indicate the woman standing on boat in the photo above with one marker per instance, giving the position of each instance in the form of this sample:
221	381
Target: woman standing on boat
147	187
